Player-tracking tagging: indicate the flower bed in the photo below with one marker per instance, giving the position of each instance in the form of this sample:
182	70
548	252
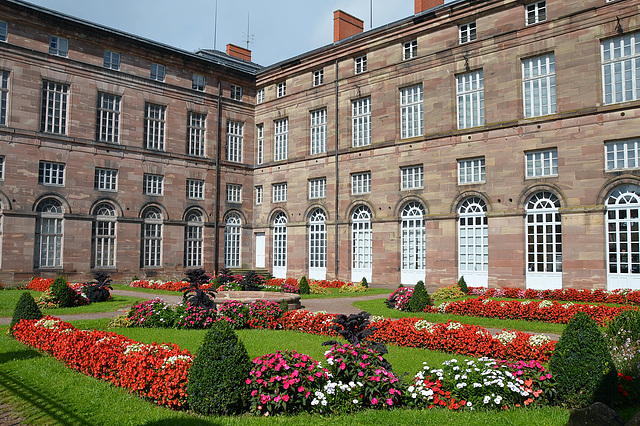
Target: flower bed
163	285
621	296
157	372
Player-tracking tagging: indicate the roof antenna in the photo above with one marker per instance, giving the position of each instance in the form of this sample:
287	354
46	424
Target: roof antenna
249	36
215	27
370	14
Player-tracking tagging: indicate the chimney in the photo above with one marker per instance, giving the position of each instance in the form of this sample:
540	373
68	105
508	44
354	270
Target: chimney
345	25
238	52
422	5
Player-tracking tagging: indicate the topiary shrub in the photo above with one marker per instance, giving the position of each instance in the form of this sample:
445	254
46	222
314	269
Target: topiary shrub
364	283
26	308
419	299
463	285
218	374
304	286
62	292
582	366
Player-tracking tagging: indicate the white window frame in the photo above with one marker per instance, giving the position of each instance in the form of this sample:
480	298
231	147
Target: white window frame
361	183
104	237
232	241
259	194
539	164
197	128
544	241
111	60
318	188
105	180
1	171
152	238
154	126
279	192
413	244
621	68
4	31
260	147
55	97
412	177
467	32
50	173
281	135
281	89
360	64
260	96
235	131
536	12
194	239
49	238
58	46
471	170
473	242
234	193
409	50
623	229
236	92
152	184
539	85
318	77
195	189
470	99
621	155
318	131
318	245
4	97
361	122
411	112
361	244
198	82
108	120
158	72
280	245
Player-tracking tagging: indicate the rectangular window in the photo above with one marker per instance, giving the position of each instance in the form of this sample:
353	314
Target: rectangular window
542	163
621	68
412	177
157	72
234	193
361	183
154	124
260	130
622	155
58	46
318	77
319	131
1	167
361	118
536	12
282	139
3	31
411	121
193	241
51	173
260	96
197	131
471	171
409	50
104	239
279	192
259	195
360	64
4	97
236	93
282	89
108	121
539	85
152	184
111	60
106	180
467	32
198	82
234	141
54	107
470	94
318	188
195	189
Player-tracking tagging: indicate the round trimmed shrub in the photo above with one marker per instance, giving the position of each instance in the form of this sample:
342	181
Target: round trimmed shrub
26	308
218	374
582	366
62	292
419	299
304	286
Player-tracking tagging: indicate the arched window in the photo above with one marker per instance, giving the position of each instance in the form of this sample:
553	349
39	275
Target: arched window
152	238
623	237
232	238
413	243
361	244
193	239
49	234
544	241
318	245
473	242
280	246
104	236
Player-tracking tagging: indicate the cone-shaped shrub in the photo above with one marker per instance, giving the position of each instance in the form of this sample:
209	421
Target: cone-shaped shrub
26	308
582	366
463	285
364	283
62	292
419	299
304	286
217	376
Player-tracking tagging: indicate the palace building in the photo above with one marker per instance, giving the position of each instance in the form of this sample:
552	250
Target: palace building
497	140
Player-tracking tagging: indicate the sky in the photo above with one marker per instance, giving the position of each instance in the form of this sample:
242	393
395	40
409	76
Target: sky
278	29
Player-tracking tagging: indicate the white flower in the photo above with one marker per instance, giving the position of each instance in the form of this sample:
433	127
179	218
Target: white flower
461	385
539	339
506	337
355	401
486	399
498	400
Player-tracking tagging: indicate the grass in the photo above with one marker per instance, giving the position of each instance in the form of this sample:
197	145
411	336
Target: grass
9	298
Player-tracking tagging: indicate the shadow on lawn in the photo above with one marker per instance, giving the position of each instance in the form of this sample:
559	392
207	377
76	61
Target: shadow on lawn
18	355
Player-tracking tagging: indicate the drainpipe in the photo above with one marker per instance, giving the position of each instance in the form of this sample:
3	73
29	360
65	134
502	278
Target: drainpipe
336	210
216	247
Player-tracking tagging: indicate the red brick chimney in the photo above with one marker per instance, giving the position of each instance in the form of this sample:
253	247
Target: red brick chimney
345	25
238	52
422	5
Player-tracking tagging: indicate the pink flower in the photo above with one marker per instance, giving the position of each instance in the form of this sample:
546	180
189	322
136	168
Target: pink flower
374	401
248	381
285	398
343	366
301	389
389	401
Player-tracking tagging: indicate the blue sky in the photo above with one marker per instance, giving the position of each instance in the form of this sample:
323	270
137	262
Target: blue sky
281	29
